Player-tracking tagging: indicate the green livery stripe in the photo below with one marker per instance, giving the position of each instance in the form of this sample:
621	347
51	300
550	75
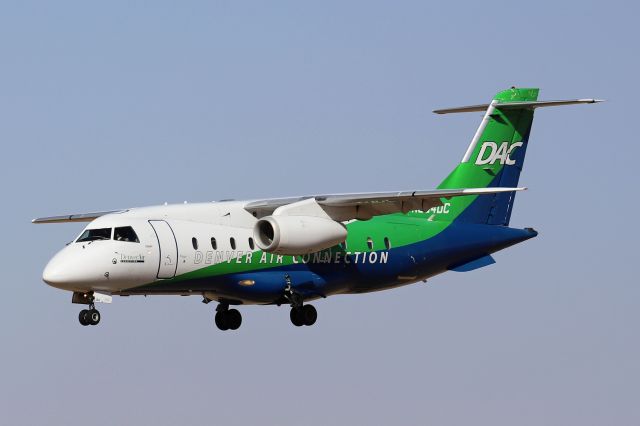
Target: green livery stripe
400	230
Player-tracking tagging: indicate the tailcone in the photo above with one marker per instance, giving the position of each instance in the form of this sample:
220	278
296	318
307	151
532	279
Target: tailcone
470	241
506	237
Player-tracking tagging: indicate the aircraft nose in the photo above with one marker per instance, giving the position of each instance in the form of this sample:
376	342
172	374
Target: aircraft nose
65	272
54	273
75	269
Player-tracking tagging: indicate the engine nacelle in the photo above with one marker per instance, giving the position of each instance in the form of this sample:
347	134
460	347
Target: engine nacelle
297	235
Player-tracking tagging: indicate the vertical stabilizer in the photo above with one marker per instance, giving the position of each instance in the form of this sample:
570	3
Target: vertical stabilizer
494	158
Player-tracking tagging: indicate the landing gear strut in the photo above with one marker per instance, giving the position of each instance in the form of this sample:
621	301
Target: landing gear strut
300	314
227	319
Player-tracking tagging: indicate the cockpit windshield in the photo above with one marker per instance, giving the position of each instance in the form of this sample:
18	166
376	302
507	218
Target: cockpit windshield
94	234
125	233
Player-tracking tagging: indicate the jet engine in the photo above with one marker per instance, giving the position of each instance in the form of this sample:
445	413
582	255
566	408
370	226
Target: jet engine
297	235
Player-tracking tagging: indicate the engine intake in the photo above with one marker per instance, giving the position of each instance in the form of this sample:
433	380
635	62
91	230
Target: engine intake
297	235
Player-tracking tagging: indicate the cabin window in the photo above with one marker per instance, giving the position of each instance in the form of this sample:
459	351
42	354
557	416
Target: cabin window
232	241
214	244
94	234
125	233
387	243
194	243
251	245
370	243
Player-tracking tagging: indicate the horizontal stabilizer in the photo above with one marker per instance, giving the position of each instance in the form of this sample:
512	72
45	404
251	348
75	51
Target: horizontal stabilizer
474	264
516	105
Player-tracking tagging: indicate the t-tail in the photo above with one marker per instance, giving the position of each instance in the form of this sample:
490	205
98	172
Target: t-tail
495	156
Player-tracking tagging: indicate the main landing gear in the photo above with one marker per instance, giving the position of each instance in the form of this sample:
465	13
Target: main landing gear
300	314
227	319
303	315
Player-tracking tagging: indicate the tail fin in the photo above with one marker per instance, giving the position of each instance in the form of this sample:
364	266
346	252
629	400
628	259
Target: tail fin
495	156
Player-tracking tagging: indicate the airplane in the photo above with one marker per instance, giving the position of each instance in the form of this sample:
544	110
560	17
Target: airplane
292	251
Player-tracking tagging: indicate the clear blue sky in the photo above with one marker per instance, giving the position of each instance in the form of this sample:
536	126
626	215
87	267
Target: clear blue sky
118	104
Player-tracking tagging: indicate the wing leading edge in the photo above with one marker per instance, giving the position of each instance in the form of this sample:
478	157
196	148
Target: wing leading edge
340	207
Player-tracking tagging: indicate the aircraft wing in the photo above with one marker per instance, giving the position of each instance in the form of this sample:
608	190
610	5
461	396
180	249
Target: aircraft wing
340	207
79	217
343	207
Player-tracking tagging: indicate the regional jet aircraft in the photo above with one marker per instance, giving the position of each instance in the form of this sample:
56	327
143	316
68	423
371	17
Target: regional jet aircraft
291	251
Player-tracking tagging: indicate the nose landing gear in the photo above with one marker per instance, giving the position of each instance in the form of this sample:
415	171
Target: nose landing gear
89	316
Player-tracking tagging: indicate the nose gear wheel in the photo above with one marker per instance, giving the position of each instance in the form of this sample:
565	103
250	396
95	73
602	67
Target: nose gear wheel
89	316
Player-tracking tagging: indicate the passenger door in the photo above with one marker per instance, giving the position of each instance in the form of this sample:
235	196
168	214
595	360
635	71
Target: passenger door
168	249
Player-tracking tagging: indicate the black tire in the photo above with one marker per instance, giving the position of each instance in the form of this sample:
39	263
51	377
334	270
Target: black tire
83	317
234	319
296	317
221	320
309	314
93	317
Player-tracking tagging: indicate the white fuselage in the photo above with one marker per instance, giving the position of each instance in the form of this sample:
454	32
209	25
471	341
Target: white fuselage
112	265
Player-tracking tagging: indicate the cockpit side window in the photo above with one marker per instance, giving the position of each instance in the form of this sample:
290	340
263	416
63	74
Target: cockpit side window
125	233
94	234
